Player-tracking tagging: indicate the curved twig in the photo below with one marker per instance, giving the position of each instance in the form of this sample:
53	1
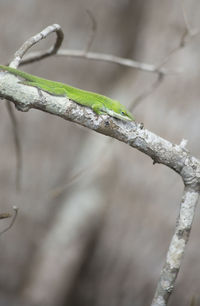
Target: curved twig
15	209
93	31
35	39
5	215
15	63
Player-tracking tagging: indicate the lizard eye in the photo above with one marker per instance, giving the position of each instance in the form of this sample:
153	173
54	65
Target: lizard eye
123	113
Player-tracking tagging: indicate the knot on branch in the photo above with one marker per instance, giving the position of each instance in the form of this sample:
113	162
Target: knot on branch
191	173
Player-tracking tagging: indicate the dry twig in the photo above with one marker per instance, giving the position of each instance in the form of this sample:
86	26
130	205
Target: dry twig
93	31
15	63
15	209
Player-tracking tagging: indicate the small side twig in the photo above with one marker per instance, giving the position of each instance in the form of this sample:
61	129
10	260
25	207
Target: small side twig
35	39
185	17
5	215
15	209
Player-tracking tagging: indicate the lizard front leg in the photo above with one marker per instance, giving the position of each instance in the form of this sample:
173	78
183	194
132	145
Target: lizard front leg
99	108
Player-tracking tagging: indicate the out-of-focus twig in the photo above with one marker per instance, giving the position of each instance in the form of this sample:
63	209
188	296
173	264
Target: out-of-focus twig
147	92
93	31
15	209
189	29
127	62
98	162
15	63
187	32
17	144
5	215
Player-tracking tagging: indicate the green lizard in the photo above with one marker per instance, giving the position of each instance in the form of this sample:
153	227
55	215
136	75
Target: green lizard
98	103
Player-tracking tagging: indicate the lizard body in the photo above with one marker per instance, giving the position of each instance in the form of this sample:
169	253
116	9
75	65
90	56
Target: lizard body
98	103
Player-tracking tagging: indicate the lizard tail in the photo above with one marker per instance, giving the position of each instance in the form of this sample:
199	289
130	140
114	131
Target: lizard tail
24	75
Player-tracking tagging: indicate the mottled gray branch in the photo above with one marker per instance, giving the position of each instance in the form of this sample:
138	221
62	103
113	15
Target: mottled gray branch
176	248
160	150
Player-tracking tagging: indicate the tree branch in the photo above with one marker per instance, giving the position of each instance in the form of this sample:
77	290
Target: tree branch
177	247
160	150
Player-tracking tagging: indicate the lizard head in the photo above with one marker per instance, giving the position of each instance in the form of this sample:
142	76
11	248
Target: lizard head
119	111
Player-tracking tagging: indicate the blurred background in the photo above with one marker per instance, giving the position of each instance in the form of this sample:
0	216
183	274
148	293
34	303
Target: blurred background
96	216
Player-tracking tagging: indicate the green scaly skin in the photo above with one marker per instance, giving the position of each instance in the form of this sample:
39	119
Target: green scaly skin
98	103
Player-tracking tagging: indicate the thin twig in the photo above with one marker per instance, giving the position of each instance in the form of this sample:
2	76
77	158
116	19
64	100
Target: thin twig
190	30
177	247
180	45
187	32
147	92
160	76
35	39
17	144
59	190
185	18
15	63
93	31
15	209
98	162
5	215
35	56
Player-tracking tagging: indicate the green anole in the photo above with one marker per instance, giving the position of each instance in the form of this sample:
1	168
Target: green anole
98	103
